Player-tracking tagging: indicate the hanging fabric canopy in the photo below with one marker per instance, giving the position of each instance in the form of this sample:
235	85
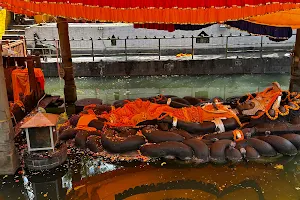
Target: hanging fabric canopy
170	3
290	18
152	11
279	33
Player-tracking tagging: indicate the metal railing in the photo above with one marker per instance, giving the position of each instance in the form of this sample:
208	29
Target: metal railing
160	47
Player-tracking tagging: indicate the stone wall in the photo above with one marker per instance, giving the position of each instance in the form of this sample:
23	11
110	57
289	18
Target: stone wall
176	67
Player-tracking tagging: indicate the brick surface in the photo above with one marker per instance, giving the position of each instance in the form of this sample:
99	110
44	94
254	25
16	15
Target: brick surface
9	163
7	146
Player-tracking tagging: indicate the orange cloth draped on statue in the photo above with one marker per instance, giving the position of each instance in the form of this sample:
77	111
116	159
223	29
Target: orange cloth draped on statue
20	81
138	111
85	119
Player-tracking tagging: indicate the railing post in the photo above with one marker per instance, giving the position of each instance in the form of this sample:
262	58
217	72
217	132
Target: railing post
226	49
93	49
261	46
58	49
159	51
192	47
126	49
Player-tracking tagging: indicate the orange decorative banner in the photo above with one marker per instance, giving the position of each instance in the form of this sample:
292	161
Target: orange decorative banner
288	18
192	4
145	15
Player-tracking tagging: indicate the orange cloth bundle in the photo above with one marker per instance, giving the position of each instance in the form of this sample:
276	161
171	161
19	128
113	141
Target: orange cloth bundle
138	111
84	120
20	81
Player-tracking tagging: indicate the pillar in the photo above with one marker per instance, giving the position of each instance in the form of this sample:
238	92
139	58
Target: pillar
295	67
67	67
8	157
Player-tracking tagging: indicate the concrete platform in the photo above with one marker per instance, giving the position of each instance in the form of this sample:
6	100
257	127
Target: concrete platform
200	65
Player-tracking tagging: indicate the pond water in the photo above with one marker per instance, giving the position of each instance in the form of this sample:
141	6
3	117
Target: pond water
86	178
111	89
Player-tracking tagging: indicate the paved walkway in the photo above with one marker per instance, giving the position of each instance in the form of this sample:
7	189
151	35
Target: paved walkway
165	58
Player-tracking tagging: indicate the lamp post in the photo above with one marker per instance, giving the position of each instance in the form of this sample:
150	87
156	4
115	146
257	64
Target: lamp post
67	72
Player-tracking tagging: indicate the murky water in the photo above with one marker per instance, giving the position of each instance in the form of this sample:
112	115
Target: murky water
91	179
111	89
83	177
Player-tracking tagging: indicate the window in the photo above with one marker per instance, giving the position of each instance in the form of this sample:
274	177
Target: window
202	38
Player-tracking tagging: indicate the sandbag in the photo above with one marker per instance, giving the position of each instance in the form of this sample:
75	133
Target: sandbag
96	123
192	100
183	133
200	149
293	138
205	127
80	139
74	120
233	154
99	109
115	144
262	147
251	153
280	144
163	126
162	136
125	131
277	128
166	149
217	150
94	143
68	134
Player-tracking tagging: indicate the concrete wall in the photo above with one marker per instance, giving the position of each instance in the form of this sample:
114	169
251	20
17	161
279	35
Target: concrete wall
183	67
122	31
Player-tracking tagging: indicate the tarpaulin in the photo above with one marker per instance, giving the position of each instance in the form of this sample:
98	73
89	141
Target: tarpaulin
20	82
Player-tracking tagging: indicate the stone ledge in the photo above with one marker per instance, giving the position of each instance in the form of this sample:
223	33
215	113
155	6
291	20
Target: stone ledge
9	163
6	132
7	146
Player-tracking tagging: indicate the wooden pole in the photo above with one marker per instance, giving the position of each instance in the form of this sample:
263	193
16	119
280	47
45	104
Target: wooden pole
295	67
32	79
67	67
8	156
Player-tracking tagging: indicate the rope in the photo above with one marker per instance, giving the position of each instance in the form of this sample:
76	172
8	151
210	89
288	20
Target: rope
219	125
238	135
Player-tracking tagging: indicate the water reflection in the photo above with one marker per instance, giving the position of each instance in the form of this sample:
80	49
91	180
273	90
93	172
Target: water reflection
92	179
111	89
244	181
47	185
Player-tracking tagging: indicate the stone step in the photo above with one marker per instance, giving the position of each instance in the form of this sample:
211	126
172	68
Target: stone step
18	27
15	32
11	37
